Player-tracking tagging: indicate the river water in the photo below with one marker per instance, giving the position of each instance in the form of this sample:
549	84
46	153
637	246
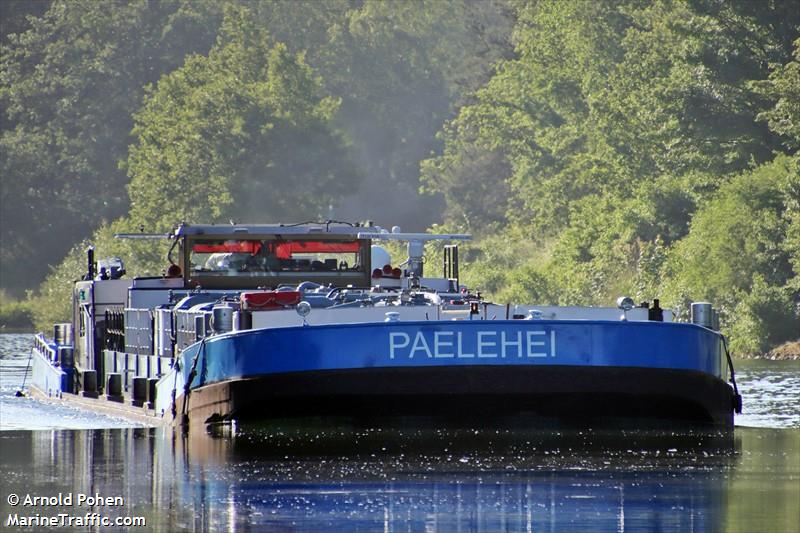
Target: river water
283	478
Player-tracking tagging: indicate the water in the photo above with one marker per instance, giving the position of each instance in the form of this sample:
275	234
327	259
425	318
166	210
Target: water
288	478
27	413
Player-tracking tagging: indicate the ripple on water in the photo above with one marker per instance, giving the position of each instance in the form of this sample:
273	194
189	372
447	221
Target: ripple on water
770	392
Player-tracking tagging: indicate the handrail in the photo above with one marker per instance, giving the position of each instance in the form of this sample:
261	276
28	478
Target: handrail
40	343
44	376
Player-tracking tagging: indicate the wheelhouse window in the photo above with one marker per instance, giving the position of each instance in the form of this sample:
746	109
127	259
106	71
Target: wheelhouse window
250	257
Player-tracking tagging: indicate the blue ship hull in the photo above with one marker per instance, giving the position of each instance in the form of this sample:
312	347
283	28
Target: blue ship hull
569	370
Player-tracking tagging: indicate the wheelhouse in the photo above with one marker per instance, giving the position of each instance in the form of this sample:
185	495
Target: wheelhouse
237	257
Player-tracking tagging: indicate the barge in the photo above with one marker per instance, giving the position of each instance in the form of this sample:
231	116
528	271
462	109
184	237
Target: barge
316	320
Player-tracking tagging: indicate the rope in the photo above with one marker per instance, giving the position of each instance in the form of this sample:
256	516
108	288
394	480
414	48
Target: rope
21	391
177	368
187	391
738	405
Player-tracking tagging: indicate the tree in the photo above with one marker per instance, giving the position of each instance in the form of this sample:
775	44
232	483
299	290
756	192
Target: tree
612	126
15	16
606	98
70	82
783	86
243	132
399	68
735	255
240	133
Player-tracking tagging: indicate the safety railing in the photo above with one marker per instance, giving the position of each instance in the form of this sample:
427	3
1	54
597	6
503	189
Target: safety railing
45	376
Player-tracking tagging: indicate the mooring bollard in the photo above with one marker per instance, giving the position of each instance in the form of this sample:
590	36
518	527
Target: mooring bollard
139	391
151	392
114	388
90	383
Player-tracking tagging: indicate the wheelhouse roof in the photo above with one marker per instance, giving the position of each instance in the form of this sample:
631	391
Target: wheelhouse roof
338	229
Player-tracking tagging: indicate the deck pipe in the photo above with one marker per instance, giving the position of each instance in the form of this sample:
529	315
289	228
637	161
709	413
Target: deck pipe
89	264
199	327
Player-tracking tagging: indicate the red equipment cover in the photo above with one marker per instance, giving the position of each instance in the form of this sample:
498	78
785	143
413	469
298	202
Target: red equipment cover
265	300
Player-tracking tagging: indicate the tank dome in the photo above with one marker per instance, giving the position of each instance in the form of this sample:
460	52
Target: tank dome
380	256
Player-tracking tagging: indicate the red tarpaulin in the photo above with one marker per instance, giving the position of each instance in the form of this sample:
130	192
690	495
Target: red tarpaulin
285	250
250	247
259	301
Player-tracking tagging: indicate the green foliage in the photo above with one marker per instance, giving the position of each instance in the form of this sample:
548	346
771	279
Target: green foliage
74	77
239	133
400	69
763	318
531	282
737	235
16	14
53	302
607	99
791	193
15	314
784	86
70	82
740	254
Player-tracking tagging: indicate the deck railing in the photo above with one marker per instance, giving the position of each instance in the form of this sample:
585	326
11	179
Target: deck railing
47	378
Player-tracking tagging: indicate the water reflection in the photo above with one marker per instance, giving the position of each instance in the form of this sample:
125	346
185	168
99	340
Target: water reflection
345	479
455	480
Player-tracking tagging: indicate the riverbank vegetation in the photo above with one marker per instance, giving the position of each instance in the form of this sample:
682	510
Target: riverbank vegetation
15	314
592	148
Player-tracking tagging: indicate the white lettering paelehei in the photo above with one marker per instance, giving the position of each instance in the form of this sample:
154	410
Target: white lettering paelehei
472	344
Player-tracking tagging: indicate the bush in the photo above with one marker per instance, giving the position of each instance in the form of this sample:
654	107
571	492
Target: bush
739	255
763	319
14	314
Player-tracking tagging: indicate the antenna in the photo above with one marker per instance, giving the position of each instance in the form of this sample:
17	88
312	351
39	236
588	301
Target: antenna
142	235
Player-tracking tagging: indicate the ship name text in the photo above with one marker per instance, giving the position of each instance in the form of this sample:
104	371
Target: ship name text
480	344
